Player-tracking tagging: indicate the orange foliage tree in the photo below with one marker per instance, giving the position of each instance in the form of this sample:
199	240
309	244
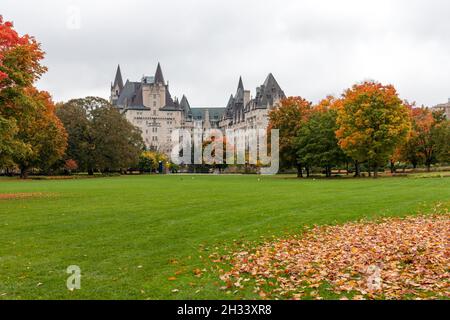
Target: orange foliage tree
372	122
27	115
41	131
289	117
427	137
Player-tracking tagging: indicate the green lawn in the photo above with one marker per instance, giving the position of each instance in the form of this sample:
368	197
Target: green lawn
126	232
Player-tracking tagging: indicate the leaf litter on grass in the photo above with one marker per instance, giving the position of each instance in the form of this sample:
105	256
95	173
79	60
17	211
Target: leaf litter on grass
393	258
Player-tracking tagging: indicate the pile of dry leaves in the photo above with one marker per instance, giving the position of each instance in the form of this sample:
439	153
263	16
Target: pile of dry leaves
390	259
15	196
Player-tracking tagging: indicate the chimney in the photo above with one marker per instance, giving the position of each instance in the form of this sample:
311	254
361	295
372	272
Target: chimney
246	97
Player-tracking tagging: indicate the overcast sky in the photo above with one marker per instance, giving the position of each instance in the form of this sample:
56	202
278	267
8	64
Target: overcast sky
313	48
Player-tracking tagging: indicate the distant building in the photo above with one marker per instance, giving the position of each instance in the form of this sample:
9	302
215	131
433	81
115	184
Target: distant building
149	105
444	107
243	112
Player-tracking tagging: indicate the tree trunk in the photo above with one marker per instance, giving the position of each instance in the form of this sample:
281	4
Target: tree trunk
307	171
347	166
357	169
299	171
392	167
375	172
23	173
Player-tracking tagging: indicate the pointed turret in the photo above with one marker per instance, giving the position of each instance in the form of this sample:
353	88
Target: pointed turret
239	97
269	93
159	78
116	87
240	84
229	108
118	82
184	105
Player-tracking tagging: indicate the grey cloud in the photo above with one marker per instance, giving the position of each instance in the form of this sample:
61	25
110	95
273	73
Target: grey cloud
312	47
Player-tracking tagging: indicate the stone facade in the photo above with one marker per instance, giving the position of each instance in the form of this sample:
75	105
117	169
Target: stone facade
149	105
445	107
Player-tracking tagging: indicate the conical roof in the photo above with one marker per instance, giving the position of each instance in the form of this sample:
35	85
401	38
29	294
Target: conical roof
118	79
159	78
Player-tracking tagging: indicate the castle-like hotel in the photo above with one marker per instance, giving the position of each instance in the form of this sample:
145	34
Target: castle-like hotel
149	105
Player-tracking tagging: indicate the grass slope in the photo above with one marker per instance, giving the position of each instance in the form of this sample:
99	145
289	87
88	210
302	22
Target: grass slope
130	235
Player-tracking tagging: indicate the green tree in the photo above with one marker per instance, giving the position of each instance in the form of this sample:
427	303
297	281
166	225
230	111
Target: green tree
100	138
440	137
77	121
317	143
9	144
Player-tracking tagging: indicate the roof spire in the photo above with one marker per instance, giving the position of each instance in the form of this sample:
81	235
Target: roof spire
241	84
118	80
159	78
184	104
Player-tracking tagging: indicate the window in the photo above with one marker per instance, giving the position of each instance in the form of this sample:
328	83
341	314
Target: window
154	103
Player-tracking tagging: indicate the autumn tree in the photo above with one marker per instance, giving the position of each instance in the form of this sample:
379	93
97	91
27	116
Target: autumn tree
317	143
288	118
441	139
149	160
372	122
41	131
100	138
20	58
428	141
30	132
223	144
70	165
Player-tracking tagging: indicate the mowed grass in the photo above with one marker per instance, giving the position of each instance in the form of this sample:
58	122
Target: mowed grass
130	235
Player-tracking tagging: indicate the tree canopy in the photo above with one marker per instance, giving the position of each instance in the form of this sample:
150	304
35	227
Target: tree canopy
100	138
372	121
288	118
317	143
30	133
